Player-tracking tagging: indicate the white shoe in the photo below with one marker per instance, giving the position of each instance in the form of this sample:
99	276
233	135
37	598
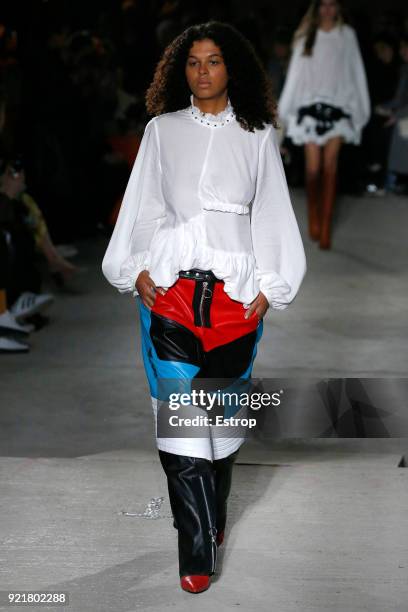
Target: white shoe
373	190
10	345
29	303
8	321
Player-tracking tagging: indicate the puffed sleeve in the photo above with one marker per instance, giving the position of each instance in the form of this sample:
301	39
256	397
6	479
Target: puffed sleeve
142	210
277	244
360	100
287	104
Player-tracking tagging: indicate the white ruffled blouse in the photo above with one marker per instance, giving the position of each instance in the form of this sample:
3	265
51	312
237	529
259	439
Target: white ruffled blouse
205	193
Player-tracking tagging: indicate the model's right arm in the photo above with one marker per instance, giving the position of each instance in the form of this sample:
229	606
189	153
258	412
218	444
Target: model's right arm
142	210
287	100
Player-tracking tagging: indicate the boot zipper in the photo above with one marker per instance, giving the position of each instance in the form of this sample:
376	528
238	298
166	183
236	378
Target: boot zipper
211	530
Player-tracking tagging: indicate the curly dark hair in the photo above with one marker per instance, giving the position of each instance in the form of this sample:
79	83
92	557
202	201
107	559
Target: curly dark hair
249	85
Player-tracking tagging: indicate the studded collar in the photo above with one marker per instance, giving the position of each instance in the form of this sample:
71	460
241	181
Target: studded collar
224	117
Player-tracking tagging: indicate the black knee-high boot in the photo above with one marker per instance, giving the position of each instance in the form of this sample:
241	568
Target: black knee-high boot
223	477
191	486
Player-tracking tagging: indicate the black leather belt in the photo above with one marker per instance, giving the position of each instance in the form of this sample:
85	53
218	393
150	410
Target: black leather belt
325	115
200	275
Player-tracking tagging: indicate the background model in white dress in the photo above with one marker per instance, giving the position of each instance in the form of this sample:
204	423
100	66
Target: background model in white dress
334	74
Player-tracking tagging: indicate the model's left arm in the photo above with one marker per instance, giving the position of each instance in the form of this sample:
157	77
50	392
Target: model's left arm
277	244
360	102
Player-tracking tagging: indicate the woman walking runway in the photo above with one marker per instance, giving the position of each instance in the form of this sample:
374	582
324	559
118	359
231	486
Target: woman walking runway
206	240
324	102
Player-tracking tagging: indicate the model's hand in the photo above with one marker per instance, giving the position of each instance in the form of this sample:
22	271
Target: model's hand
260	305
147	289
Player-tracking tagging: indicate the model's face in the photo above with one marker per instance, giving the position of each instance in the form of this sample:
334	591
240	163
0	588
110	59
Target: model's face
328	10
13	182
205	70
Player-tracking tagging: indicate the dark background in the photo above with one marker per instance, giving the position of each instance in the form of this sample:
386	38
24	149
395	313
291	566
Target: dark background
70	66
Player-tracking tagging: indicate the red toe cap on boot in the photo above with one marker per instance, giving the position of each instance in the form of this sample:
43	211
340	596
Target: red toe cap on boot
195	584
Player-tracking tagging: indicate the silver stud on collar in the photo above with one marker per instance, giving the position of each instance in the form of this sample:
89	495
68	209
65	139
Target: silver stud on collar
201	116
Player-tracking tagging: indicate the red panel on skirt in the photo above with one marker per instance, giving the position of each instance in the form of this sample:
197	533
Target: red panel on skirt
226	315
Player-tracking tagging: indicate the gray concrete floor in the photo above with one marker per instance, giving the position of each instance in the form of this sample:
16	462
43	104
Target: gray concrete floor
314	525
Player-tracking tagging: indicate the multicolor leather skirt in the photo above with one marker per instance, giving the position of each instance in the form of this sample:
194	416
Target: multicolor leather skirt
196	331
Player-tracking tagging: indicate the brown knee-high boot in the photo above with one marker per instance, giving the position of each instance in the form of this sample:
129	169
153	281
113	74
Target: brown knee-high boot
328	198
313	204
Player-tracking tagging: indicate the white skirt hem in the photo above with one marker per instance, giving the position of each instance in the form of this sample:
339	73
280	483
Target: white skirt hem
306	131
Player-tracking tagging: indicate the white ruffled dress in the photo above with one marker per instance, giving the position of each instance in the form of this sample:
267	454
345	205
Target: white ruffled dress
205	193
334	74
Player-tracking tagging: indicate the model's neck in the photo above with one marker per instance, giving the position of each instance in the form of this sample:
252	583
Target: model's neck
211	105
326	26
